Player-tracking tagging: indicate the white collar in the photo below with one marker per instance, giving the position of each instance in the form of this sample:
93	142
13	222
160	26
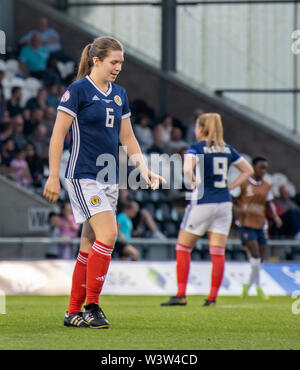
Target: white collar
102	92
254	182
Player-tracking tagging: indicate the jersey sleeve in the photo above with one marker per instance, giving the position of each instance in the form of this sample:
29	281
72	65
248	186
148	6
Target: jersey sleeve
69	101
126	108
235	155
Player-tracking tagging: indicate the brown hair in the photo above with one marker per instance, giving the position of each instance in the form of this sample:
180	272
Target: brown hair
211	124
100	48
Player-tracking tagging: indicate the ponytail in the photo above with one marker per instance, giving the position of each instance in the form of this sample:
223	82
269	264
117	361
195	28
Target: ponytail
212	129
85	64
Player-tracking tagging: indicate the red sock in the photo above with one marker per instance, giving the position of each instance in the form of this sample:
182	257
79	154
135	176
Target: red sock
183	260
77	297
97	267
218	263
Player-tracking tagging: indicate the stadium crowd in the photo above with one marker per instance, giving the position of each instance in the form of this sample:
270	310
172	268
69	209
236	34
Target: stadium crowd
32	82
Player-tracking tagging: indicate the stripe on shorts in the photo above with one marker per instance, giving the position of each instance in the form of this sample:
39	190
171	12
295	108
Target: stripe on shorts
75	148
186	216
80	198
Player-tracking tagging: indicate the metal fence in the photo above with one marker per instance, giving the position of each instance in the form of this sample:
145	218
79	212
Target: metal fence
153	249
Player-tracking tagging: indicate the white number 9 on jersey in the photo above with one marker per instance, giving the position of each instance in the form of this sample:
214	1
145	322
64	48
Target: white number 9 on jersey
110	118
220	166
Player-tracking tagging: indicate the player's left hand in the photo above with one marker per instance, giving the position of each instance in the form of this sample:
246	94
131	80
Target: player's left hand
153	180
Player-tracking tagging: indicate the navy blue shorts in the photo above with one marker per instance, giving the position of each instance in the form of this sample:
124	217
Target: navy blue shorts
247	234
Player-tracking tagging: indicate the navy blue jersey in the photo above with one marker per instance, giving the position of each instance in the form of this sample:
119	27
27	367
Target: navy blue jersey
215	165
95	128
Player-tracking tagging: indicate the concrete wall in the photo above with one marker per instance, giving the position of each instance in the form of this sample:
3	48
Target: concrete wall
143	82
20	207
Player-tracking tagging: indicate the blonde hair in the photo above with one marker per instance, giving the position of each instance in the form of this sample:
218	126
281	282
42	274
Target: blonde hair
212	128
100	48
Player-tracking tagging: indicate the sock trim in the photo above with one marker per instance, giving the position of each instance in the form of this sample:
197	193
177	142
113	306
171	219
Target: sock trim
81	258
102	248
216	250
181	247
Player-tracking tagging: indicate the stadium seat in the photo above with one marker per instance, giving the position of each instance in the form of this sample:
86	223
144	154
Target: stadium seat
17	81
162	212
170	229
150	207
32	84
2	65
12	68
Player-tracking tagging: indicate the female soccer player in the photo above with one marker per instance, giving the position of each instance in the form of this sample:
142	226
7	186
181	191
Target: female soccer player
96	111
255	197
210	213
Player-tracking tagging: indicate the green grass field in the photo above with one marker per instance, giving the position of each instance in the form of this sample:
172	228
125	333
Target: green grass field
138	322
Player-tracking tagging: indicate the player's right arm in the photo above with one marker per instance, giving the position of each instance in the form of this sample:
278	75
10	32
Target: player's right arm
61	127
246	170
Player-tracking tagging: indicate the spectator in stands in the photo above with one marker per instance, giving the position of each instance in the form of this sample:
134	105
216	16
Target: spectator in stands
190	134
48	120
68	228
164	128
7	153
50	39
143	220
284	202
53	96
289	211
18	131
2	100
35	165
124	220
13	105
35	118
176	144
39	101
19	168
40	139
158	144
6	131
142	132
52	74
33	58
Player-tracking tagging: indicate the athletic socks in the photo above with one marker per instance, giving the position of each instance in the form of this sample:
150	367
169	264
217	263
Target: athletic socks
78	290
255	269
217	255
97	267
183	261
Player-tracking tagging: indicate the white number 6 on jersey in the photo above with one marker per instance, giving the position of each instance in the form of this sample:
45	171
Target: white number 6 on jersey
110	118
220	165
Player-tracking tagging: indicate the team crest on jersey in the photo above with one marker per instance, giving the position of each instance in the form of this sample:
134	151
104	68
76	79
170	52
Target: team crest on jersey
118	100
66	96
95	201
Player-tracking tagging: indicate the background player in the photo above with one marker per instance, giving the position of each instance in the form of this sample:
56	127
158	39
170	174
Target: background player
96	111
255	197
212	213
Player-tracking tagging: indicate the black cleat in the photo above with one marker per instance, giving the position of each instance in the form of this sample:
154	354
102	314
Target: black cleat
75	320
175	301
94	317
209	303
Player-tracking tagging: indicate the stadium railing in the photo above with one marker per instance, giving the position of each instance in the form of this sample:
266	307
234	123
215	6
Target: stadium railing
151	248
